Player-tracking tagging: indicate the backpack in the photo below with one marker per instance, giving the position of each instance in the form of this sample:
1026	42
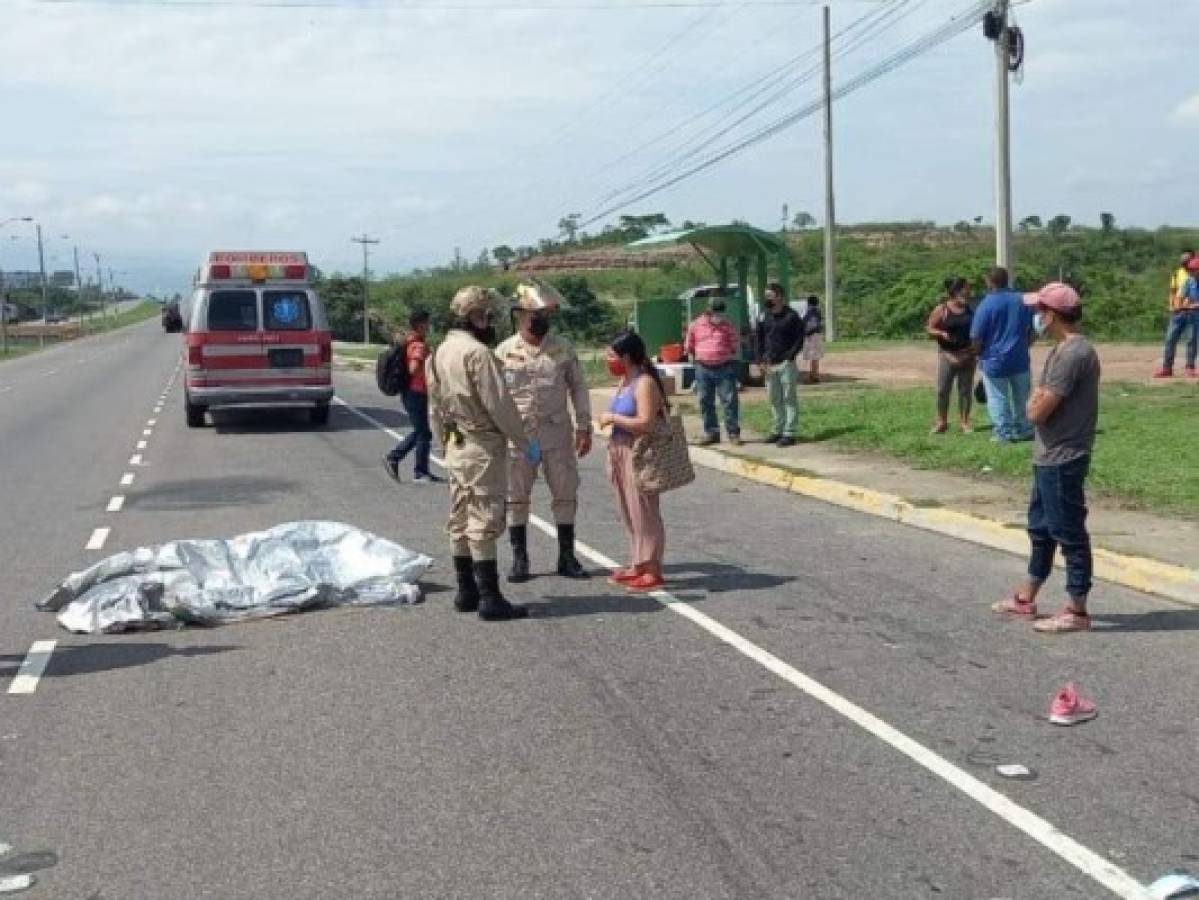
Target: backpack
391	369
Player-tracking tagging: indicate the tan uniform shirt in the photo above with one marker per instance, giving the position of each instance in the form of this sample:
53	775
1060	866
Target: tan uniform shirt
467	388
542	381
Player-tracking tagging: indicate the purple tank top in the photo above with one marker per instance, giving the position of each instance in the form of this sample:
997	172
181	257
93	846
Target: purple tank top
625	403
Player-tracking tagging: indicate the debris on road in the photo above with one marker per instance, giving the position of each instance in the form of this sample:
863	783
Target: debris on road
1070	708
290	568
1015	770
1174	884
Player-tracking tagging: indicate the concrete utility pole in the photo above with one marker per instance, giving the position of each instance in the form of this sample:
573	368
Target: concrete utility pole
830	212
41	261
99	283
366	240
998	26
78	286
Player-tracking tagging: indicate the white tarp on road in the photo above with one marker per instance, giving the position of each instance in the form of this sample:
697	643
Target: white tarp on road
289	568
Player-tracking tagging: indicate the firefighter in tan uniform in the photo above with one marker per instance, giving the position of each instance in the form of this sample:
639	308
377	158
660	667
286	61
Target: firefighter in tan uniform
477	420
546	380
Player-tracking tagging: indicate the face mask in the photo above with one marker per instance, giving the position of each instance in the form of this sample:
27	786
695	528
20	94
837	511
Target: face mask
1038	322
718	308
539	326
486	335
617	367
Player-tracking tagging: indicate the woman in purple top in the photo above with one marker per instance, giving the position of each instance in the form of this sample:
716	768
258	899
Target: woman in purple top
639	400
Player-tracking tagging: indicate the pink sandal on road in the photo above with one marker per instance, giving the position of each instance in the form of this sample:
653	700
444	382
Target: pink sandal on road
1064	622
1016	607
644	584
1070	708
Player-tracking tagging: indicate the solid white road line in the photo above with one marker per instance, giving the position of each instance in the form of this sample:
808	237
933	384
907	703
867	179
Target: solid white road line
115	504
98	539
135	459
1043	832
141	445
127	479
32	667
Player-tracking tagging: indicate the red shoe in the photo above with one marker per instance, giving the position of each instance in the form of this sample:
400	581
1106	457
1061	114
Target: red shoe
1069	708
644	584
621	577
1016	607
1163	372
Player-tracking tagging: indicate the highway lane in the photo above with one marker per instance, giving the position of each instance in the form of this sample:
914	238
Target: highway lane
605	748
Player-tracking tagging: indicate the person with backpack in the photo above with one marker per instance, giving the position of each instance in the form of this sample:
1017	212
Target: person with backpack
949	325
404	373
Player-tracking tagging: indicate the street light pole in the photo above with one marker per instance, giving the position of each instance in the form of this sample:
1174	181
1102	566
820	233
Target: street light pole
1003	136
41	261
830	210
99	283
78	286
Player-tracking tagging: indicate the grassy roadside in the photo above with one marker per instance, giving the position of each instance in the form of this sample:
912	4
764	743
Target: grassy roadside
1142	456
23	346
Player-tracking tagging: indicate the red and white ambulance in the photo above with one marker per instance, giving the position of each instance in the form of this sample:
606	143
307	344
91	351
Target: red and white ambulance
257	335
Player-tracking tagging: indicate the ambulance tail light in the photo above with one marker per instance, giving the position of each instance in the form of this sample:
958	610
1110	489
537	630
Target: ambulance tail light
220	271
195	355
326	353
295	273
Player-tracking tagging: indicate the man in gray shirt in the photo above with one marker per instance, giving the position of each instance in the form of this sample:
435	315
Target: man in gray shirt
1064	409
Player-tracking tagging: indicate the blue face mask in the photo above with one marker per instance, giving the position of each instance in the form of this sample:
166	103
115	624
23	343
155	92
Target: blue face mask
1038	322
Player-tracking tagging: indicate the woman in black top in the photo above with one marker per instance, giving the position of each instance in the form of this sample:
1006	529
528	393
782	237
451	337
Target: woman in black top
949	326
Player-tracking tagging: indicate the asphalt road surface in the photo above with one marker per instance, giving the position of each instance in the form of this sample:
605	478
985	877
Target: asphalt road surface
817	710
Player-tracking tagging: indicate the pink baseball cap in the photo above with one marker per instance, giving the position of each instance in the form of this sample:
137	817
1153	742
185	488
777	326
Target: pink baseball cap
1055	295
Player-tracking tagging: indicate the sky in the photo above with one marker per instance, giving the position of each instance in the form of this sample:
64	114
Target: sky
150	131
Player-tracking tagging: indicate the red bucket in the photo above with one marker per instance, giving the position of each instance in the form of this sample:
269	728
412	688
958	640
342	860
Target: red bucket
672	353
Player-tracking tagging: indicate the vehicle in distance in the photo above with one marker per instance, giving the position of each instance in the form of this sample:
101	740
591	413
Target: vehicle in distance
257	335
172	318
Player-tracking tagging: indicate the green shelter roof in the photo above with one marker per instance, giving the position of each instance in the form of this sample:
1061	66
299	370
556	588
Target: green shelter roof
723	240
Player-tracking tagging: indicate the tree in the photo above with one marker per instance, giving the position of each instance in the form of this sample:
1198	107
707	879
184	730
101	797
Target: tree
1108	221
569	226
585	317
803	220
503	254
1031	223
1059	225
962	227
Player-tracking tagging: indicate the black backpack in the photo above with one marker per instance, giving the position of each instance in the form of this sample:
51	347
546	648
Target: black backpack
391	369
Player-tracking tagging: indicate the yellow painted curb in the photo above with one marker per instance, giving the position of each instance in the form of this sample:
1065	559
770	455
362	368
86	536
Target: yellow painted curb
1146	575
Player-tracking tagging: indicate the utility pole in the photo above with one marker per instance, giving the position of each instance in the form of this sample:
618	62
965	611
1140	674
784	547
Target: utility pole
3	317
78	287
996	28
366	240
830	211
41	261
99	283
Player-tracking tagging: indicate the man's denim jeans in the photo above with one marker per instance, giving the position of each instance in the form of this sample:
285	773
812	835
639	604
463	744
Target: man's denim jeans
416	405
722	381
1057	517
1179	323
1006	398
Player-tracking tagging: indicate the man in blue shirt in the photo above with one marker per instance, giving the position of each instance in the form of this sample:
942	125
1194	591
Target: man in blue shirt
1001	332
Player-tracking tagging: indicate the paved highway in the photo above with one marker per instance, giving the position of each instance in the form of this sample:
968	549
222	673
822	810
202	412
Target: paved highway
816	713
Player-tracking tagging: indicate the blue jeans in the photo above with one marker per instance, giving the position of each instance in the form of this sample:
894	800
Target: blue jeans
1057	517
1179	323
1006	399
722	381
416	405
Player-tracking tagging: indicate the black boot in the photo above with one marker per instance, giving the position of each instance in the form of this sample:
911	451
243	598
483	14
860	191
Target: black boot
568	564
493	607
519	535
467	598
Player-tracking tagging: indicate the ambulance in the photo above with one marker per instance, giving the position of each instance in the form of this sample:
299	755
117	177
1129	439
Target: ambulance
257	335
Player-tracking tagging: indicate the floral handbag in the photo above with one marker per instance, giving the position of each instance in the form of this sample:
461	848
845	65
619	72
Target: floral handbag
660	457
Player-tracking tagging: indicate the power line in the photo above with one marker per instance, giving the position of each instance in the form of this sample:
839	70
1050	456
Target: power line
959	24
438	5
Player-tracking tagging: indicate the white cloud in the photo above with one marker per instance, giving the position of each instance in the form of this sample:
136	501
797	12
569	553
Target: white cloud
1187	112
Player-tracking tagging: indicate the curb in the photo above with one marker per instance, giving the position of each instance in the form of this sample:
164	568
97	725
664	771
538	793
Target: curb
1139	573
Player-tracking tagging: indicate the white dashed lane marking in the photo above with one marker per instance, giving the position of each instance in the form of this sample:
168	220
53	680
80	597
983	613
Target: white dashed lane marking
32	667
127	479
116	503
98	539
135	459
141	445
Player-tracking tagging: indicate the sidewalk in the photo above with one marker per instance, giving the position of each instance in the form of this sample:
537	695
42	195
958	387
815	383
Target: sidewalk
973	508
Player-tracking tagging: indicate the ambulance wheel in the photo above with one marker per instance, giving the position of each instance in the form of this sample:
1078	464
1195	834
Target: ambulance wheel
319	414
195	414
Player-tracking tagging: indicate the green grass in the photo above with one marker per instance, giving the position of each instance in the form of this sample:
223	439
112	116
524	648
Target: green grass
1144	454
24	346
